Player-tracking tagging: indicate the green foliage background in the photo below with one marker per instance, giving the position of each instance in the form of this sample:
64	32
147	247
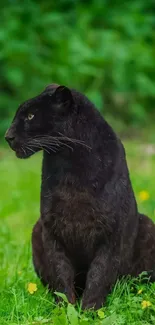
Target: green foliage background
103	48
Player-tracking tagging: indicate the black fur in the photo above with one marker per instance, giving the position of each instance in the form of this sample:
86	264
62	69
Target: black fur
90	232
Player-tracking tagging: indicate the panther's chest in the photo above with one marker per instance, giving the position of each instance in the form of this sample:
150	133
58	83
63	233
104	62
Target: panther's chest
79	237
76	221
74	228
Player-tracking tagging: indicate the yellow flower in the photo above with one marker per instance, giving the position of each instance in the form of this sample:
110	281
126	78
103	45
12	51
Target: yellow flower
100	314
145	304
140	291
144	195
32	287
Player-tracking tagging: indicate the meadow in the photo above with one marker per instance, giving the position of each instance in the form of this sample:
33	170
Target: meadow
23	300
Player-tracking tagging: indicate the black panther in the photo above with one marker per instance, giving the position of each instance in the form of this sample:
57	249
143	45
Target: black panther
90	232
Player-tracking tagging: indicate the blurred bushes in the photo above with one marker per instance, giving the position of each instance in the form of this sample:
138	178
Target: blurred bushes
103	48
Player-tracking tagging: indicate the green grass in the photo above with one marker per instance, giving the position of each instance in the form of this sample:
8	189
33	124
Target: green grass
19	209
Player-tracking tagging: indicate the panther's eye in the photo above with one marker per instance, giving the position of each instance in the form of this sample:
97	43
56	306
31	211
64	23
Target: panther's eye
30	116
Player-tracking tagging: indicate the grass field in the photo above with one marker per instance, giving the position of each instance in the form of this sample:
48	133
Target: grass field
131	302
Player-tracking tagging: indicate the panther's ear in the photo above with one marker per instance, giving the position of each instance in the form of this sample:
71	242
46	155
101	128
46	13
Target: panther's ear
62	100
51	88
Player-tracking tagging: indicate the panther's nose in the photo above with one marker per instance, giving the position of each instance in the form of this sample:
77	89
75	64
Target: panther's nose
9	137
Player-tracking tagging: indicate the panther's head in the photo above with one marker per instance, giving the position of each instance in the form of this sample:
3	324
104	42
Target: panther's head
39	118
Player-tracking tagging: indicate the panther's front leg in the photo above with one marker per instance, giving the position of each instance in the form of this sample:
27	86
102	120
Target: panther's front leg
61	270
101	275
